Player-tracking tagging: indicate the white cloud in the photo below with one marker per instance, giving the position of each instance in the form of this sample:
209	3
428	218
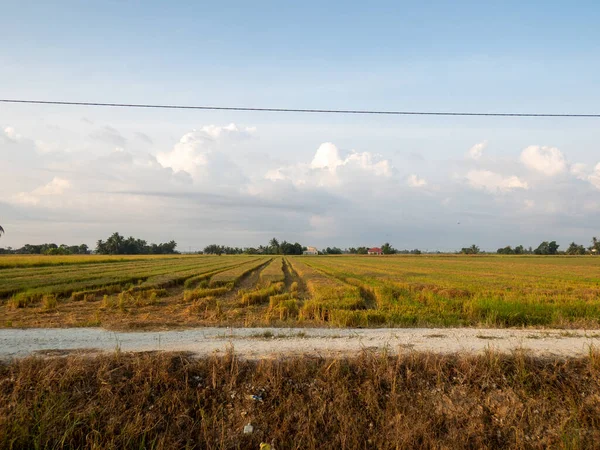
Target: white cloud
54	188
416	182
493	182
476	151
326	157
200	152
329	168
580	171
594	178
547	160
583	172
10	134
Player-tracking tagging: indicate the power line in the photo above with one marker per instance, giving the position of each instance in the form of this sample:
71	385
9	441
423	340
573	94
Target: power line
299	110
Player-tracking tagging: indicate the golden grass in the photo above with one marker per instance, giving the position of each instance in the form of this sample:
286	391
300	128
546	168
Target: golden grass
273	272
15	261
414	400
346	291
235	274
495	291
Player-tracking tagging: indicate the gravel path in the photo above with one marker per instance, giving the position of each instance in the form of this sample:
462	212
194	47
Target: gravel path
275	342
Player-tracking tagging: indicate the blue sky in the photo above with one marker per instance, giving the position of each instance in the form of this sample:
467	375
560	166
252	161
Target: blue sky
465	56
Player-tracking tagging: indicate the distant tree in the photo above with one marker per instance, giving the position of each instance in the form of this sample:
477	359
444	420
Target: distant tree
274	247
416	251
58	251
519	250
542	249
472	250
362	250
1	230
508	250
332	251
547	248
595	245
213	249
387	249
118	245
575	249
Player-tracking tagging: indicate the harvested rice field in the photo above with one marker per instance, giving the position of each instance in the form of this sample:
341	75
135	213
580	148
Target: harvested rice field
182	291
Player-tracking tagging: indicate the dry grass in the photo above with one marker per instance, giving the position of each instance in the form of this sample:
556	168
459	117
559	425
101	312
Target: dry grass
344	291
235	274
450	290
167	401
273	273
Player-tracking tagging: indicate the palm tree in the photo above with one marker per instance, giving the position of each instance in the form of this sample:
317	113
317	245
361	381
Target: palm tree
1	230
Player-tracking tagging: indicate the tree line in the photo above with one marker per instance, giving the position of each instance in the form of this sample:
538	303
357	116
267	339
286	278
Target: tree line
274	247
545	248
119	245
47	249
114	245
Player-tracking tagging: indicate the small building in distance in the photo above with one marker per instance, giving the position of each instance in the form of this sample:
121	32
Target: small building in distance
375	251
311	251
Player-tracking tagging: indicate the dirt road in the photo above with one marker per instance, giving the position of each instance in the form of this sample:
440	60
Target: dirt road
276	342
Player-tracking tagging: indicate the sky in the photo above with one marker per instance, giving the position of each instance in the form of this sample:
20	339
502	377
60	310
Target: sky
77	174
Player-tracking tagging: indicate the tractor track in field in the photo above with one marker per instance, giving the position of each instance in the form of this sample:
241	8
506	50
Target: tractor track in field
259	343
290	276
246	282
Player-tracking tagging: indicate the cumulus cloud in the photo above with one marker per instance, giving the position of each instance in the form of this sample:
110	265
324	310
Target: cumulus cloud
331	197
476	151
200	153
416	182
594	178
585	173
547	160
579	171
329	168
9	134
56	187
493	182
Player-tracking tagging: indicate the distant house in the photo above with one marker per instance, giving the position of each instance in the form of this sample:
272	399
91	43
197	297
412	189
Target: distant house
594	252
375	251
311	251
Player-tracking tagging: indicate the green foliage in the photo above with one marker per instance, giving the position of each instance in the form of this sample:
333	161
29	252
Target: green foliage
48	249
472	250
118	245
547	248
387	249
272	248
575	249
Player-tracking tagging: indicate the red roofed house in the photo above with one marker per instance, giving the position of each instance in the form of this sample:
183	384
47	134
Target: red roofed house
374	251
